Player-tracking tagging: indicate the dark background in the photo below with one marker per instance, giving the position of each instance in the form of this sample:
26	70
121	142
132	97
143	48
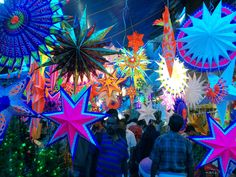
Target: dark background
140	14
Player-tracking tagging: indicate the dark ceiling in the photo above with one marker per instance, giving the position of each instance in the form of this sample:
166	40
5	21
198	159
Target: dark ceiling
132	15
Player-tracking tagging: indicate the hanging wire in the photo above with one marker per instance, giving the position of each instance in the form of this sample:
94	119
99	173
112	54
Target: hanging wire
124	13
139	22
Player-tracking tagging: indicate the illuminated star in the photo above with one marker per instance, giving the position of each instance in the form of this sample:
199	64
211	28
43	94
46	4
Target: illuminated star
207	40
226	77
110	83
11	103
221	145
176	83
135	41
195	91
133	65
74	120
146	113
131	92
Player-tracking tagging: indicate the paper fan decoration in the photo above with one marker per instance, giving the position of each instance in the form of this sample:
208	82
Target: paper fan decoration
218	92
74	120
221	145
194	91
133	64
168	41
176	83
206	41
79	51
24	25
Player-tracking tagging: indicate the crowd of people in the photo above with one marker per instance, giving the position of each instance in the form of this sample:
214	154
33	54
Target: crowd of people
130	148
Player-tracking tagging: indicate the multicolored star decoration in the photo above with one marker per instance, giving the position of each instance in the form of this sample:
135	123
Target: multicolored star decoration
133	64
74	120
79	52
146	113
131	92
168	41
176	83
24	26
222	90
221	145
206	41
135	41
12	103
110	83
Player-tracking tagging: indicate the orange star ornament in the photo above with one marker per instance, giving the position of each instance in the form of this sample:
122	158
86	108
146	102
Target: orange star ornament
110	83
135	41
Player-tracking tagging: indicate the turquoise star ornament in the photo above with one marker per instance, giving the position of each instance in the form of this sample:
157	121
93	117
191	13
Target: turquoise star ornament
207	41
74	120
221	145
223	88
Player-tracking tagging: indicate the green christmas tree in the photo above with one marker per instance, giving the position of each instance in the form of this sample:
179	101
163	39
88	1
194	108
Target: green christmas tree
20	157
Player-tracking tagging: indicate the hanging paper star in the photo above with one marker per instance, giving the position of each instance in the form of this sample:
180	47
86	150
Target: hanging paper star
133	65
221	145
74	120
110	83
135	41
176	83
229	89
24	25
167	100
194	91
207	41
131	92
168	41
146	113
79	51
217	93
11	103
180	108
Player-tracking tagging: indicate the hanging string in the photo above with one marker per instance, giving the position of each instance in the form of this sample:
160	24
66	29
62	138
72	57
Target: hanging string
124	13
212	7
139	22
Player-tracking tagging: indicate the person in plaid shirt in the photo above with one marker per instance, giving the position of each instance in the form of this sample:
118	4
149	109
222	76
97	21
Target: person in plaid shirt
172	153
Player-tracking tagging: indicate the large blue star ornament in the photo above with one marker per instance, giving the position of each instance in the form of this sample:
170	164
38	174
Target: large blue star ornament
221	145
74	120
207	41
11	103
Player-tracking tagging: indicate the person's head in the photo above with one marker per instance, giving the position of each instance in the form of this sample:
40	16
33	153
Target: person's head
112	112
176	122
112	125
122	124
126	117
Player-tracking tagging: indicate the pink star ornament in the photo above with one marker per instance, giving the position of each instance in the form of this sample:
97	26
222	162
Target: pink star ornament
221	145
74	120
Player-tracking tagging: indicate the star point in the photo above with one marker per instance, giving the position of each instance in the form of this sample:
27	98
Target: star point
221	145
74	120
